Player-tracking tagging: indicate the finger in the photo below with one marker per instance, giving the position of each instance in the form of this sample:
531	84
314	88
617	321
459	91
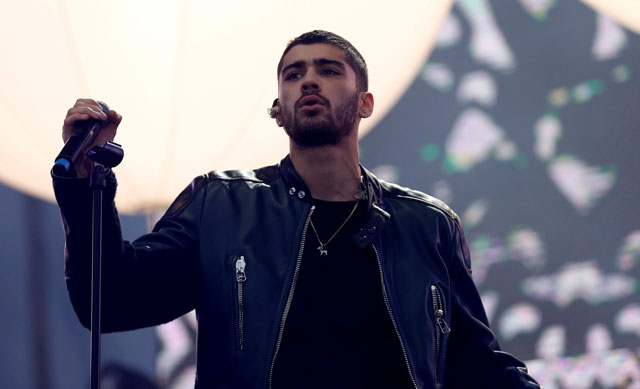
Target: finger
111	129
69	127
114	117
78	114
89	110
87	102
93	104
113	123
75	117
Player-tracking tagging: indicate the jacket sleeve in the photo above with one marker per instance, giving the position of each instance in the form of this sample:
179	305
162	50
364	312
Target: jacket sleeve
146	282
474	358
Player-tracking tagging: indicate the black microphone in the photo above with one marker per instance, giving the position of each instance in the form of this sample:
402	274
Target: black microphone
86	132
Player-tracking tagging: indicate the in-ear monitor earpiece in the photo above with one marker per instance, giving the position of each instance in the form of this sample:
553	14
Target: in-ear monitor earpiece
274	109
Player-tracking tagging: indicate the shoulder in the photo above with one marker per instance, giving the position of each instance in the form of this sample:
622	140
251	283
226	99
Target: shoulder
265	174
205	185
420	201
413	209
234	178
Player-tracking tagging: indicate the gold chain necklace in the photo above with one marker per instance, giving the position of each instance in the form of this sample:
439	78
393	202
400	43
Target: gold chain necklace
321	249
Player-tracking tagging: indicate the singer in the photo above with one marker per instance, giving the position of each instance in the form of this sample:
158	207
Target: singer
311	273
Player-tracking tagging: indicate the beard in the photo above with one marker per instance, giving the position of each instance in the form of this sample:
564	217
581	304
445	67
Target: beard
313	130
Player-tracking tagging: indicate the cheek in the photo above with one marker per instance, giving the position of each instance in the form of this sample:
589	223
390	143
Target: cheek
286	101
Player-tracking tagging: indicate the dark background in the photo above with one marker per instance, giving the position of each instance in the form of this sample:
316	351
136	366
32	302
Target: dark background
550	268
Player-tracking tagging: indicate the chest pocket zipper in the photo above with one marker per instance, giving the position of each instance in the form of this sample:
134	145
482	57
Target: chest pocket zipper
441	328
241	278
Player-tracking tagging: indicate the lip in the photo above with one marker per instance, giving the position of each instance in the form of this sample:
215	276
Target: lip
310	102
312	107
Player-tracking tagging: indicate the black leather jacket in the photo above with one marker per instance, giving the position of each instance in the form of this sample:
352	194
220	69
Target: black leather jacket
193	260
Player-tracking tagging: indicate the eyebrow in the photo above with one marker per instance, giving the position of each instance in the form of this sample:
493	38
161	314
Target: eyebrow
317	61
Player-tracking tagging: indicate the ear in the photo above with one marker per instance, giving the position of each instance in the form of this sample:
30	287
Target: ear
274	112
366	104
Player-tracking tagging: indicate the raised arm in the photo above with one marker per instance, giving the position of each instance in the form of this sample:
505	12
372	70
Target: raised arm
146	282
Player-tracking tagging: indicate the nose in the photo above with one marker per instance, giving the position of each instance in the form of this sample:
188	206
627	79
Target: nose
310	84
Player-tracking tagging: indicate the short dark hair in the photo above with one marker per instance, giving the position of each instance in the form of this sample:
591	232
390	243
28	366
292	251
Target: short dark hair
351	54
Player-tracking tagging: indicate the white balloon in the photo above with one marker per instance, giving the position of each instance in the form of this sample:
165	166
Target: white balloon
192	79
625	12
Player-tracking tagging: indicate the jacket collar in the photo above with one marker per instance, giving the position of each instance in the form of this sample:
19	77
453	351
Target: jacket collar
294	183
373	191
297	187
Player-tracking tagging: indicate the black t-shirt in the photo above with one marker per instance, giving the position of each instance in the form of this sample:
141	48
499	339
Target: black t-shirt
338	333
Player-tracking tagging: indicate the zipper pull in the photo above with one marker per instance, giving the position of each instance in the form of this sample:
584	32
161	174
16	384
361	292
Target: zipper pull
240	266
444	328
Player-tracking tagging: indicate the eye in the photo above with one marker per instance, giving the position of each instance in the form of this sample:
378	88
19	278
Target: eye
292	76
329	72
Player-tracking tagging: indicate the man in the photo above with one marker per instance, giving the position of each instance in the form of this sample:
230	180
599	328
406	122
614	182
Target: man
308	274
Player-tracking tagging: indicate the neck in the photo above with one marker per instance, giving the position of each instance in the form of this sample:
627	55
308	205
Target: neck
332	173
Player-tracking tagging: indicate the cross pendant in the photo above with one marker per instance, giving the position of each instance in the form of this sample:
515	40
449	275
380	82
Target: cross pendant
323	252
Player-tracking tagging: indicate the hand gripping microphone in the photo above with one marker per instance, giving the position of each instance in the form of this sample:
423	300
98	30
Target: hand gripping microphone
77	144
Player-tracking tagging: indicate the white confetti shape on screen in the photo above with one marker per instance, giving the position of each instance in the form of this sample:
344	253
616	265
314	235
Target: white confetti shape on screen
486	252
449	33
581	184
598	339
607	369
488	45
442	190
490	299
586	90
525	245
438	76
387	173
558	97
616	368
521	318
610	39
542	370
621	73
582	280
627	321
552	342
505	150
581	372
185	379
630	251
547	131
474	213
177	344
477	87
473	137
538	9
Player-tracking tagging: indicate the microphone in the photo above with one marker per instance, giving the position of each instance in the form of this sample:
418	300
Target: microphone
73	150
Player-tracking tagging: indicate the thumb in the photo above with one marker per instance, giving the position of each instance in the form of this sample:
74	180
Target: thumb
114	118
109	132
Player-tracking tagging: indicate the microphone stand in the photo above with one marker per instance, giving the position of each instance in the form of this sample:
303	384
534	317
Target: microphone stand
103	158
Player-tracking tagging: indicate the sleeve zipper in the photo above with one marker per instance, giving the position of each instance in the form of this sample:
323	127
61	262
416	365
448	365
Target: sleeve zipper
441	325
241	277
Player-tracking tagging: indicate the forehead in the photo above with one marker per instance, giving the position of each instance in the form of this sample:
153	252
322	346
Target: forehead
315	51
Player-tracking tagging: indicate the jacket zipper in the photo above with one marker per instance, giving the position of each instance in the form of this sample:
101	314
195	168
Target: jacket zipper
441	325
393	320
291	290
241	277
